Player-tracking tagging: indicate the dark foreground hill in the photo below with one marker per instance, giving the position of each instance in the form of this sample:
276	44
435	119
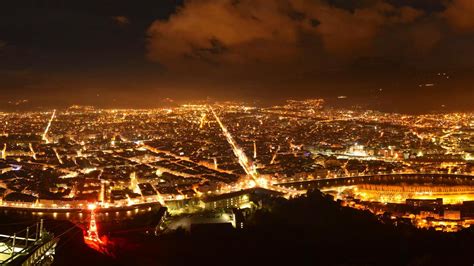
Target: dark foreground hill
310	230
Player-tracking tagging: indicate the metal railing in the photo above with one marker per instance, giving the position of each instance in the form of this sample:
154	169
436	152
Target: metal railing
31	243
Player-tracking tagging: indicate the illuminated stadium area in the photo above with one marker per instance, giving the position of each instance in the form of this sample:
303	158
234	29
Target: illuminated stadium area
403	191
395	188
444	202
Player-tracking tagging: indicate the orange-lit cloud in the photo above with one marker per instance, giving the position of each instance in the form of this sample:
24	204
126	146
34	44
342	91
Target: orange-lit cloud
121	20
268	31
351	33
460	14
225	31
425	36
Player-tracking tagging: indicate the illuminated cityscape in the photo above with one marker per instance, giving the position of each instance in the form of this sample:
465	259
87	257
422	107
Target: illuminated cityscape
193	158
237	132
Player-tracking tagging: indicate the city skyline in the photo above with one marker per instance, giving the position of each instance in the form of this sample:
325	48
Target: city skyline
137	177
231	132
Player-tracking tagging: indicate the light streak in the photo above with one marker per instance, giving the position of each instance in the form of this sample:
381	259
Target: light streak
4	151
254	150
275	155
45	137
238	152
102	193
203	120
249	168
32	151
57	155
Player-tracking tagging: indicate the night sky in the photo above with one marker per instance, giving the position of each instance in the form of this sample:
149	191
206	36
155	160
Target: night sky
394	55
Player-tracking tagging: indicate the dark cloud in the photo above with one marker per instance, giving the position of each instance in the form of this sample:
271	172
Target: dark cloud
122	50
268	30
351	33
428	6
310	48
273	44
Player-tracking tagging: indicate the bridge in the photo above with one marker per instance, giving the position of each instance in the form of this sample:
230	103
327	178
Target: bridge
326	183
